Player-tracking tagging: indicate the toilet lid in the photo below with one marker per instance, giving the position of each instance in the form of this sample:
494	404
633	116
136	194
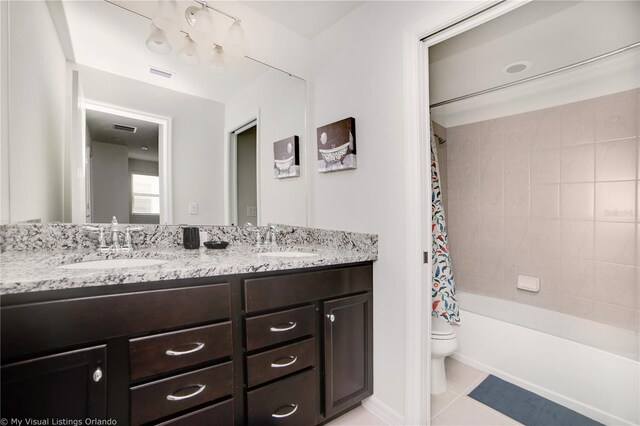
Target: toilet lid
441	328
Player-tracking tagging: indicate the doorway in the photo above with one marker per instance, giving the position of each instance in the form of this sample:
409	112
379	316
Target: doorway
244	172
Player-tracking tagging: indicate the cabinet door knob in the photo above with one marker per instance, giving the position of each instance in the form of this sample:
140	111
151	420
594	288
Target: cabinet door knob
331	317
280	416
97	375
173	352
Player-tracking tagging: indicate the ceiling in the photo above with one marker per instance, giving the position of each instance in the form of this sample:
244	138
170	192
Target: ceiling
549	34
100	126
307	18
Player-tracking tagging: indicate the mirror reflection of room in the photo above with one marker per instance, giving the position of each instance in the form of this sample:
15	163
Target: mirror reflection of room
95	60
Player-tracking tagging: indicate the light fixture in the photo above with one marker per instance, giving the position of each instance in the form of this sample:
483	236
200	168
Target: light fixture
189	52
157	41
144	147
235	44
201	22
516	67
165	16
201	31
217	62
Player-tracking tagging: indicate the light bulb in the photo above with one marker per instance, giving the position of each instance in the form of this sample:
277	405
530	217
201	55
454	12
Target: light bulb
165	16
217	62
202	29
189	53
235	45
157	41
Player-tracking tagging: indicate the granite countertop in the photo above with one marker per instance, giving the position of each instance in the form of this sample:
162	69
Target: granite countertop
28	271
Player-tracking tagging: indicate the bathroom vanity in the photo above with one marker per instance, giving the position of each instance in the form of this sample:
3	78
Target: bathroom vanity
291	346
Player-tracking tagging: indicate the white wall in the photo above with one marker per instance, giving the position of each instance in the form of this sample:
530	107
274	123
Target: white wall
281	101
4	113
198	132
110	186
36	108
358	73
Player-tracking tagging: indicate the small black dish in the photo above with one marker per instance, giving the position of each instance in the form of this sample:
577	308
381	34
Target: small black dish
216	244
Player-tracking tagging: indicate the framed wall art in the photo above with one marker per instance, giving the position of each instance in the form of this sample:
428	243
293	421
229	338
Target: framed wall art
286	158
337	146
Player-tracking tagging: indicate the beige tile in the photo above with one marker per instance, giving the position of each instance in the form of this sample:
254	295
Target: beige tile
492	198
544	236
516	168
616	160
616	242
492	161
461	377
467	282
358	417
549	270
615	284
516	234
547	129
491	268
465	411
615	315
545	201
516	201
577	122
577	163
492	232
616	116
469	261
469	197
515	263
577	239
517	131
545	166
576	306
616	201
469	230
439	402
577	276
577	201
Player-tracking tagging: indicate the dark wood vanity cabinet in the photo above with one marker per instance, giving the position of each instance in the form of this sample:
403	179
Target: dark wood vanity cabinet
281	348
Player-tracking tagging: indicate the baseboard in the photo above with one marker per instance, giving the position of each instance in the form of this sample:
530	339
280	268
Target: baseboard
578	406
383	411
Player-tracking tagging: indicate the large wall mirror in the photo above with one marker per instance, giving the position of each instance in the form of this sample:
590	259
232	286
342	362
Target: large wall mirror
100	126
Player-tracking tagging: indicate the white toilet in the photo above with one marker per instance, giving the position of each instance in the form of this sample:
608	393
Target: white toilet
443	343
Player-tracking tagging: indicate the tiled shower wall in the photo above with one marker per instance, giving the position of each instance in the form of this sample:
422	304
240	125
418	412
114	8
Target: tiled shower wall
550	193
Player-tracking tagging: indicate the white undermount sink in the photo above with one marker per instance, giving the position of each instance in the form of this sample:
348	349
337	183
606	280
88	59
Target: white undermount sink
114	263
293	254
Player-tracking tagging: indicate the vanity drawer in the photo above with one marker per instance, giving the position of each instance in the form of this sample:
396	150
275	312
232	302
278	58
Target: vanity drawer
279	362
43	326
220	414
164	397
169	351
280	291
287	402
265	330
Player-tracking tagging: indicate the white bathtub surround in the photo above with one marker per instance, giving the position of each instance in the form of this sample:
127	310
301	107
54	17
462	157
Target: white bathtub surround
585	366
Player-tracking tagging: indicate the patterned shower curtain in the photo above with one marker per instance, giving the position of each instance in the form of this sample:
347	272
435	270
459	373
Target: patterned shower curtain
443	289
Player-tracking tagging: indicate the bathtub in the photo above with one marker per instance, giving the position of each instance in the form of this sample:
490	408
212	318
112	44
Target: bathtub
587	366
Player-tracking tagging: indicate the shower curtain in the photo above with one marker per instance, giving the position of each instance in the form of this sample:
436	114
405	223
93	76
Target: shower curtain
443	288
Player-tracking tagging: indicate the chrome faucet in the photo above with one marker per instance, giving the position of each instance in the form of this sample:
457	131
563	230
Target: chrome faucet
115	237
269	238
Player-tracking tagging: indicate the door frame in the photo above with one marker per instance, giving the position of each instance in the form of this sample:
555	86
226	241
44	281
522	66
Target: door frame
415	45
164	149
231	186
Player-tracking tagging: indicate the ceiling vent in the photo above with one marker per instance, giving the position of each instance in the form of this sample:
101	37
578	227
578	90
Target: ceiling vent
161	73
125	128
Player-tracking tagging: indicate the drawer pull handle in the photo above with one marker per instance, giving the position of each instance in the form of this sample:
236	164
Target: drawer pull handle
172	352
173	397
286	364
280	416
290	326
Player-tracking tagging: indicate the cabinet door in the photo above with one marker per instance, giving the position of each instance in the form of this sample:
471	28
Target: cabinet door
348	352
70	385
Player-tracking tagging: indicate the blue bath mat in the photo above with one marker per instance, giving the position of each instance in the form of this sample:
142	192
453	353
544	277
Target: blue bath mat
524	406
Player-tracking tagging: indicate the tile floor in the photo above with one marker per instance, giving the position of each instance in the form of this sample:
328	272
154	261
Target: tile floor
451	408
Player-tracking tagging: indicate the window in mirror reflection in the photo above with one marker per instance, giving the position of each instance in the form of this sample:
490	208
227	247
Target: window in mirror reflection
145	194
